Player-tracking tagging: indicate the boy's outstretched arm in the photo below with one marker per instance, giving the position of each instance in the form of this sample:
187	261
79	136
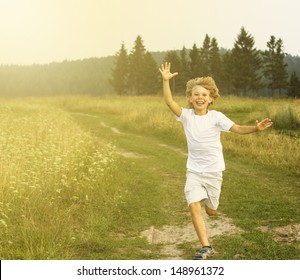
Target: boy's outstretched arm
167	76
244	129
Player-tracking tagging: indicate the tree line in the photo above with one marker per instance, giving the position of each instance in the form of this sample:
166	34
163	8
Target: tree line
87	76
242	71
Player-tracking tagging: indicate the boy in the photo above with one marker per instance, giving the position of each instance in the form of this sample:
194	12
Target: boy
205	162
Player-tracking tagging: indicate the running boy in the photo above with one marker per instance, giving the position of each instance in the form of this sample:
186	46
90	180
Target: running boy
205	162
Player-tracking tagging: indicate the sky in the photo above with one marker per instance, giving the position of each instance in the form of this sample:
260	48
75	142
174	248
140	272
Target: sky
45	31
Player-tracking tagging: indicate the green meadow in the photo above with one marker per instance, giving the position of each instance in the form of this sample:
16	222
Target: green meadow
99	177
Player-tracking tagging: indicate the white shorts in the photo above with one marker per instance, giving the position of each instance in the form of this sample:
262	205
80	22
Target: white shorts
204	187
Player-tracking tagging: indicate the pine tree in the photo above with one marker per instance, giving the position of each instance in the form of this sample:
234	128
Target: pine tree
143	73
184	71
275	69
294	86
150	81
136	67
174	59
227	73
119	76
195	62
215	61
205	57
245	64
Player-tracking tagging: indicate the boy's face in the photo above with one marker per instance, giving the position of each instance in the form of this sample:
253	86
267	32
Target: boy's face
200	99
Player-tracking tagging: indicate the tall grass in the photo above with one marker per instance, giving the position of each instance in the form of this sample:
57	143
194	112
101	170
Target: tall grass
53	177
59	183
287	118
273	147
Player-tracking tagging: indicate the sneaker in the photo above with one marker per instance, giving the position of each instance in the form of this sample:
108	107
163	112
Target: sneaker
204	253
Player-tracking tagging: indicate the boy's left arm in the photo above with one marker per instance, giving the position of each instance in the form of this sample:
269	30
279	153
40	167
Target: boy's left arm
245	129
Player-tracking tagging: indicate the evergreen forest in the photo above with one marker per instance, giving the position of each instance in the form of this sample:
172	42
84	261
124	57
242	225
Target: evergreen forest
242	71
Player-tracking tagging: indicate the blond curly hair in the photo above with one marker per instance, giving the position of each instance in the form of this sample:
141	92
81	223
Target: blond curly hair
206	82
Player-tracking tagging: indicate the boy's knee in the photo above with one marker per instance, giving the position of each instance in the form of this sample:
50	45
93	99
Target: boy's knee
195	208
210	212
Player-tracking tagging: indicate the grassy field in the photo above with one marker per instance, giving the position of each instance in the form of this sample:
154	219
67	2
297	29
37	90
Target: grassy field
83	177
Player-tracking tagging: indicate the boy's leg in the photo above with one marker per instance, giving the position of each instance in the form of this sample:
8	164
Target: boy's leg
209	211
198	222
213	184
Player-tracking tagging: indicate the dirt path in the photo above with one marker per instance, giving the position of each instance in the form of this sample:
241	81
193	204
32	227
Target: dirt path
172	236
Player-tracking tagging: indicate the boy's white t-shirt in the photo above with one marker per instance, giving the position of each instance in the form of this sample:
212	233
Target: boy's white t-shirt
203	139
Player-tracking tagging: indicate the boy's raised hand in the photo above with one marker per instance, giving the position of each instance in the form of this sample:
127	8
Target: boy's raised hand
165	71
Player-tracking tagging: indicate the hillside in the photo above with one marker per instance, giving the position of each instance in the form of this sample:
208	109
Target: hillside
87	76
